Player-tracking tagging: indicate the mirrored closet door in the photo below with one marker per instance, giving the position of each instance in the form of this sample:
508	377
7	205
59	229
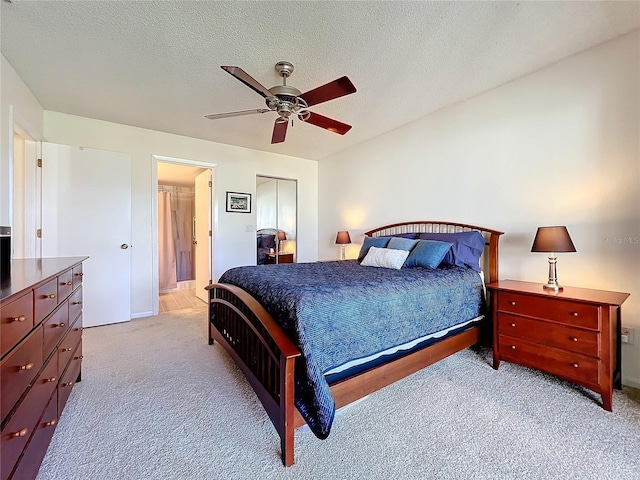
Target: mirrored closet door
276	217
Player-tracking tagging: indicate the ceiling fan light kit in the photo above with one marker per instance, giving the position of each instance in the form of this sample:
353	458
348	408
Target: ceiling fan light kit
288	102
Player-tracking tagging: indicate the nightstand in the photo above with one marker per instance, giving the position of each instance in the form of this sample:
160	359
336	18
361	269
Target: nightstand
573	334
270	259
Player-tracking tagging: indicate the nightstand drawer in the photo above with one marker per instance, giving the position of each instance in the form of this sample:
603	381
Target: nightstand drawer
552	334
563	311
572	366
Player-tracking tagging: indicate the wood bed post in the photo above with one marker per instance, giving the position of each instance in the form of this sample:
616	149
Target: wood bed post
287	410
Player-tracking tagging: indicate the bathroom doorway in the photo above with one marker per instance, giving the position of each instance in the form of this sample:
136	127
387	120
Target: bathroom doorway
183	235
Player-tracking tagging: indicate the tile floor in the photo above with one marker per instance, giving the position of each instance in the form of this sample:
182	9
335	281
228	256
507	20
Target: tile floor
179	300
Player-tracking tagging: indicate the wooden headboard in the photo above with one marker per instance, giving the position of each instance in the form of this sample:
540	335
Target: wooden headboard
489	259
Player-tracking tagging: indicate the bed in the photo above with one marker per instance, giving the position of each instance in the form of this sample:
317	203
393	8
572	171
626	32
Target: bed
314	337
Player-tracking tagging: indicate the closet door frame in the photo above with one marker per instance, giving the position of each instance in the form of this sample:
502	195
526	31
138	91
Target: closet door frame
278	223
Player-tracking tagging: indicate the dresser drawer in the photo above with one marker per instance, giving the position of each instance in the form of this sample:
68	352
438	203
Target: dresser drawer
24	420
555	335
572	366
69	378
564	311
77	276
32	459
75	304
45	300
18	369
55	327
69	344
65	285
17	321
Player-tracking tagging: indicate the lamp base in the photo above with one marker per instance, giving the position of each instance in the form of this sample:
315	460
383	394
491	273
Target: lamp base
552	283
552	286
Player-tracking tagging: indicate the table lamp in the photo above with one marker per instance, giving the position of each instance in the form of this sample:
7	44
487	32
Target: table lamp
343	239
552	240
281	237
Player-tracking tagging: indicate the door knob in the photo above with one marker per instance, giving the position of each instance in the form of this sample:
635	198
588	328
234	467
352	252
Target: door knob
124	246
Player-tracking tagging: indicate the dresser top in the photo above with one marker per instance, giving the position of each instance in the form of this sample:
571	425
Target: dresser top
568	293
27	272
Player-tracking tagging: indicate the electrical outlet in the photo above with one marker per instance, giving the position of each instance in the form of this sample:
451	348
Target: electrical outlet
626	335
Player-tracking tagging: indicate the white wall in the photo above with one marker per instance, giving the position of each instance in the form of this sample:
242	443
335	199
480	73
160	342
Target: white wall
234	233
17	105
558	147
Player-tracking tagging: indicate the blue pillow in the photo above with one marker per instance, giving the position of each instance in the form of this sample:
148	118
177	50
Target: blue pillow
380	242
466	250
428	254
406	235
399	243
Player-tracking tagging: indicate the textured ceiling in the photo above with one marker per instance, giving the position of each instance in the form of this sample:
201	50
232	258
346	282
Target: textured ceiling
156	64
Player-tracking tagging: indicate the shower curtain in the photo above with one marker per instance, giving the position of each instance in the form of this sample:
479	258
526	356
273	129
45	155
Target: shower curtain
175	236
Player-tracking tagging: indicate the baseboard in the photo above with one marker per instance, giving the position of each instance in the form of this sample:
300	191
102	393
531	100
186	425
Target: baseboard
631	382
141	315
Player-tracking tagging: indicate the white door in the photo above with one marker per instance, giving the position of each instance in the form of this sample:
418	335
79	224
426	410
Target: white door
86	210
204	272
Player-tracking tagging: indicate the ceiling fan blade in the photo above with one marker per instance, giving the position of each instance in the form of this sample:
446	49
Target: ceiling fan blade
328	123
236	114
337	88
248	80
279	130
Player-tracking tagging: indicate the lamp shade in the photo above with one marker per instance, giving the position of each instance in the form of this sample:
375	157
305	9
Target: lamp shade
552	239
282	236
343	238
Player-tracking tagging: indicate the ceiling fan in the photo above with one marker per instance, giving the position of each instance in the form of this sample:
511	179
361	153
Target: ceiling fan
288	101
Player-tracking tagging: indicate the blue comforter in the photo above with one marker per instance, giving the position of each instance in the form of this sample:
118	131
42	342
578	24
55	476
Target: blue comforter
337	311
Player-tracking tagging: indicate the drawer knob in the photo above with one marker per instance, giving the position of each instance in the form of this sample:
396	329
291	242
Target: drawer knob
51	380
574	314
79	302
21	433
28	366
512	302
68	349
20	319
79	358
513	347
53	295
61	324
574	339
80	274
50	423
574	365
69	283
68	384
512	324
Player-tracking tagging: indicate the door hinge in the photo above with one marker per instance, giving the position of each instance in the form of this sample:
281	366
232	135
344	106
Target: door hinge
40	162
210	183
39	233
209	232
210	282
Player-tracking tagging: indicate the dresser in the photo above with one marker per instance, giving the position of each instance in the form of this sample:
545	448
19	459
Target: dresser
573	334
41	346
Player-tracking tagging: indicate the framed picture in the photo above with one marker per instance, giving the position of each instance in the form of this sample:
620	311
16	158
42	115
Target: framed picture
238	202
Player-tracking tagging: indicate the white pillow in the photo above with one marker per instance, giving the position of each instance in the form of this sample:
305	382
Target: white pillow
385	257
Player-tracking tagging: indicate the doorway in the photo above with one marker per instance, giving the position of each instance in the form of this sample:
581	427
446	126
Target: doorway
183	255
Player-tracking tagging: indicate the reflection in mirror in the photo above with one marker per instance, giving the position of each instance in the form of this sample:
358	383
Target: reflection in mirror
276	217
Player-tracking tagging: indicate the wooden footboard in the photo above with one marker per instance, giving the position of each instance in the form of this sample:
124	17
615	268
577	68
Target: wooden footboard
261	350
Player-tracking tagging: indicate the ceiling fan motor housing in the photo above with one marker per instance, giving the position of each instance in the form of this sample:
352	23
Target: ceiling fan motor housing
288	100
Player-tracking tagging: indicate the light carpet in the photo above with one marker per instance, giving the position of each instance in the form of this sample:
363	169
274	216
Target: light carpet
157	402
